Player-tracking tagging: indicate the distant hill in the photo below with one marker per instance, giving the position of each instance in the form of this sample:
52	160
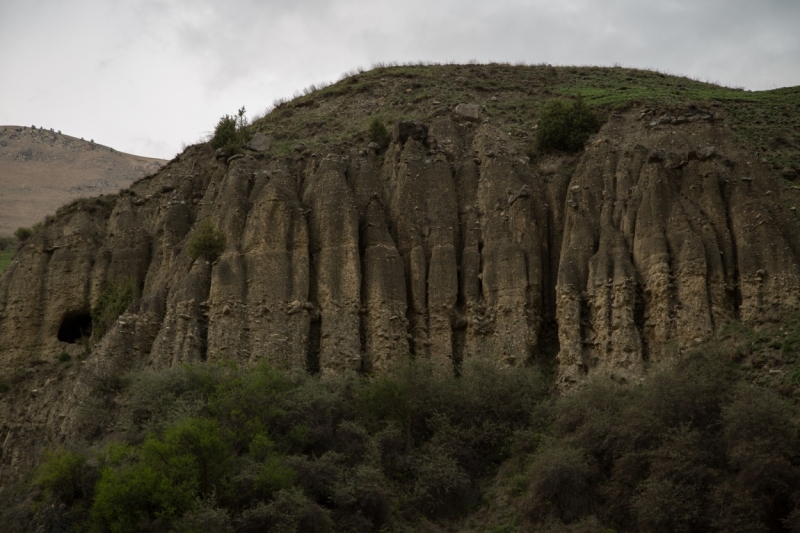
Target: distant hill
41	170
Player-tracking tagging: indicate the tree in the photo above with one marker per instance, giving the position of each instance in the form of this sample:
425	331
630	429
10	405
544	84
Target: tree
231	132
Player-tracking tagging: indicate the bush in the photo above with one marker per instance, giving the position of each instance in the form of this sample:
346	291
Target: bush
23	234
207	241
378	133
565	127
60	476
230	132
113	301
149	488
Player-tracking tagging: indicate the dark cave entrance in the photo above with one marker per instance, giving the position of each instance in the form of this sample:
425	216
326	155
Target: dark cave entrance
75	327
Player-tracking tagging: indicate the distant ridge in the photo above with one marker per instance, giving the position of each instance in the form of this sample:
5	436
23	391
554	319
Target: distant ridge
41	170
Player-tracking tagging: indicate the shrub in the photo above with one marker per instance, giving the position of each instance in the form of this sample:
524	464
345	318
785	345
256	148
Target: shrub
207	241
60	475
230	132
64	357
563	480
113	301
148	489
378	133
565	127
23	234
289	512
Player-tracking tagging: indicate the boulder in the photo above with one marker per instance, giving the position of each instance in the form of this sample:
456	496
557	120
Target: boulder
259	143
468	111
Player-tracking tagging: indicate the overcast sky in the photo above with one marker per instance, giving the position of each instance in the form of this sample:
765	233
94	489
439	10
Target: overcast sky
145	76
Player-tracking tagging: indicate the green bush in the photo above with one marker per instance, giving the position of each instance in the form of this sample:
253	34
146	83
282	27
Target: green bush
217	446
113	301
149	488
378	133
23	234
565	127
206	241
60	475
230	132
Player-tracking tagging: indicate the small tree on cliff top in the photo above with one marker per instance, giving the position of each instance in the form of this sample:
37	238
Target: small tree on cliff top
231	131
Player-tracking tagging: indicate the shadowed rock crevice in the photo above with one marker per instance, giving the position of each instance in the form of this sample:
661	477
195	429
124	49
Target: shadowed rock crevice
75	327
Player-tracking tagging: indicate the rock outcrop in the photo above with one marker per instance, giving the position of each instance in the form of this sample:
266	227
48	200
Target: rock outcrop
451	243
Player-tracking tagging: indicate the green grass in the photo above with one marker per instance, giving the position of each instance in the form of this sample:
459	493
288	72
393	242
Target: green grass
5	259
337	117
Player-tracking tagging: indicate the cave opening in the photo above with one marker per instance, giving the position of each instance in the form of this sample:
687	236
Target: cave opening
74	327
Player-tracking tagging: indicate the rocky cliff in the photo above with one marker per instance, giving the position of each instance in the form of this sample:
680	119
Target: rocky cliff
456	241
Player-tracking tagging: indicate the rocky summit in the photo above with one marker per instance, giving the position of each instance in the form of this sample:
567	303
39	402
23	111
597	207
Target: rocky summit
455	239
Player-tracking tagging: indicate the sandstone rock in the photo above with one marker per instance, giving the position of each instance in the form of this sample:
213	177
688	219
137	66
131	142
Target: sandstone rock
706	152
259	143
468	111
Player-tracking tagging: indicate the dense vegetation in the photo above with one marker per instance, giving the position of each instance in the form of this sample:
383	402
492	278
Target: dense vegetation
217	447
214	447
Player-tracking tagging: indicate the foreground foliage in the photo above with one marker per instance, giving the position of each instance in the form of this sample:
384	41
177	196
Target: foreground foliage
225	449
220	448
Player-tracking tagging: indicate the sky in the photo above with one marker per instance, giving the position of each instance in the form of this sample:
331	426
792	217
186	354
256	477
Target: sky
150	76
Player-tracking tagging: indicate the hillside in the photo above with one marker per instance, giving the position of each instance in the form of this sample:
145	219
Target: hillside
357	275
42	170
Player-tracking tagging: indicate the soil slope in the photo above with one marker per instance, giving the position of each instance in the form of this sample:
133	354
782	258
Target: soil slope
42	170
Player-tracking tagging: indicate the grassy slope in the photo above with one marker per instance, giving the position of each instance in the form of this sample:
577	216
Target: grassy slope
337	116
5	259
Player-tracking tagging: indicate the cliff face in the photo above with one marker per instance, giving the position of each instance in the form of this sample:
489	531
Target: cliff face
452	243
